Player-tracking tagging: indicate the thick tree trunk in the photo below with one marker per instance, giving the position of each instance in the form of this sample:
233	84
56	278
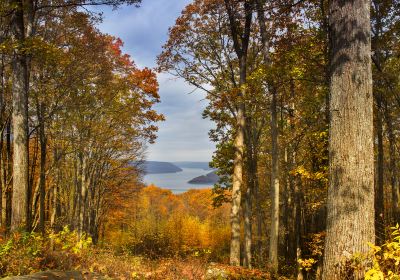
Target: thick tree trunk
20	203
350	204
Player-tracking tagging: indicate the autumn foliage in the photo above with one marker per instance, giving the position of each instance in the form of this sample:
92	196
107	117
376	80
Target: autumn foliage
157	223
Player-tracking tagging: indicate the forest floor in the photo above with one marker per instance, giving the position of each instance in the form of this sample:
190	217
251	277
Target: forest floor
166	270
57	275
59	256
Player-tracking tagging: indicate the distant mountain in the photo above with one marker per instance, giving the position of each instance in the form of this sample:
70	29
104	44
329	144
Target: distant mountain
210	178
159	167
193	164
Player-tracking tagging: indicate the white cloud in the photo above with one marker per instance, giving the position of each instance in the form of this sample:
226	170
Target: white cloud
184	134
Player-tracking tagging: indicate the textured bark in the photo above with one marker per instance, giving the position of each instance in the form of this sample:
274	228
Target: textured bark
20	205
350	204
236	188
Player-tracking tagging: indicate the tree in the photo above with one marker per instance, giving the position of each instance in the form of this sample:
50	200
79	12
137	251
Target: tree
20	202
241	44
273	244
350	205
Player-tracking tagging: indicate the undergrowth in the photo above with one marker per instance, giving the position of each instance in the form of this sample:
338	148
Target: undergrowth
27	253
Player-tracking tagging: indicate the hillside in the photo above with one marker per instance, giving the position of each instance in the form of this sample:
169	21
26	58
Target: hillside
193	164
209	178
159	167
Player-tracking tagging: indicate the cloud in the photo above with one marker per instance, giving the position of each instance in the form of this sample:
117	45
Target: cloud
184	134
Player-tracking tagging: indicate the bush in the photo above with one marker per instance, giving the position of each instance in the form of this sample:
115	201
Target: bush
24	253
386	259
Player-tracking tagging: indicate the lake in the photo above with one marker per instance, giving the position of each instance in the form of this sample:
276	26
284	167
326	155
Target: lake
177	182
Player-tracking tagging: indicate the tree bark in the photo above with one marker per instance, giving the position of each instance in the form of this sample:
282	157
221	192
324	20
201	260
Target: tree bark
20	203
350	204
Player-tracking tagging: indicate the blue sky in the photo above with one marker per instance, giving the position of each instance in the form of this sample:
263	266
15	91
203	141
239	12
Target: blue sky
184	134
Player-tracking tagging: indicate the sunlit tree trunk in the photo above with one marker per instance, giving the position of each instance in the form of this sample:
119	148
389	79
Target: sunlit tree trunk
350	204
237	186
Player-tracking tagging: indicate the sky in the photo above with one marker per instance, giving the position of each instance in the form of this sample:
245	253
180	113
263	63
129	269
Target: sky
184	134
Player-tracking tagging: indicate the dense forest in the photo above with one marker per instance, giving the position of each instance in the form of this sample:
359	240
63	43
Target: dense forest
305	97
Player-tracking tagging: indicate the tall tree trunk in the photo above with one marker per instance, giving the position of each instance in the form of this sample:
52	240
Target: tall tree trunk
394	181
273	238
259	216
43	151
2	126
350	204
379	195
237	186
248	208
7	177
298	225
84	199
2	185
20	203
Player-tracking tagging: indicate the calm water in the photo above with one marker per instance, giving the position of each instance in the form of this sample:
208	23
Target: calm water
177	182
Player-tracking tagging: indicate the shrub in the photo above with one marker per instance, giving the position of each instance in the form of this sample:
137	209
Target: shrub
386	259
24	253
